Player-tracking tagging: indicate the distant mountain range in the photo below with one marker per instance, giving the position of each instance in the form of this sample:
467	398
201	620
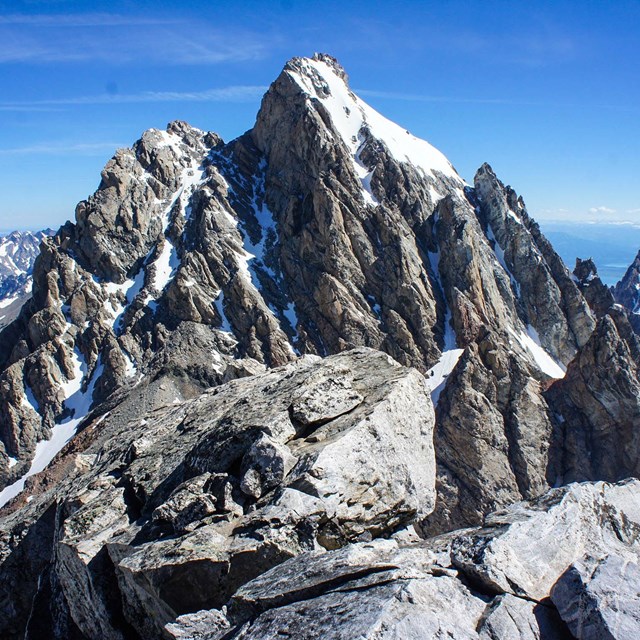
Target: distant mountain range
18	251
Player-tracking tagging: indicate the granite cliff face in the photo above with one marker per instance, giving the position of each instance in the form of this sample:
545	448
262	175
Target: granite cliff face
313	344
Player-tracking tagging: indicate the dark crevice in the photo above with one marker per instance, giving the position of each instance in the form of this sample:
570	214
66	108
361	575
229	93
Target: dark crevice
242	612
105	581
305	429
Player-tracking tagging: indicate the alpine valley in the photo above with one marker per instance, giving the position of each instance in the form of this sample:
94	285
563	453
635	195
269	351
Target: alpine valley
311	384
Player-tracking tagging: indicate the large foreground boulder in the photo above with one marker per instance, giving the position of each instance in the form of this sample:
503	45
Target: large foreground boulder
173	512
600	598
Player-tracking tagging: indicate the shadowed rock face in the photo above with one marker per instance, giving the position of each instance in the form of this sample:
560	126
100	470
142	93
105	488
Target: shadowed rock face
598	406
627	292
200	266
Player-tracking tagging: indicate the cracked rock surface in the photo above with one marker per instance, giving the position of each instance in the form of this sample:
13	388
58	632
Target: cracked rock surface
163	515
490	583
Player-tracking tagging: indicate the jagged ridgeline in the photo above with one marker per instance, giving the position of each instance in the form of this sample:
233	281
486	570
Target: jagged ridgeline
249	340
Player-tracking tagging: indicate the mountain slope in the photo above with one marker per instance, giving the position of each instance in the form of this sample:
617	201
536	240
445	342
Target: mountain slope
325	230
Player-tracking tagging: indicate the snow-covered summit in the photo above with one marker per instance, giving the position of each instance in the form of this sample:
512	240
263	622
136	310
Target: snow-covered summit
322	78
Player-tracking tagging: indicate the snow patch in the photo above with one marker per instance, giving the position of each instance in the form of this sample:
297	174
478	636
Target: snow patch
29	401
7	301
130	369
351	116
291	315
513	216
243	266
219	303
434	195
79	404
437	376
166	265
530	341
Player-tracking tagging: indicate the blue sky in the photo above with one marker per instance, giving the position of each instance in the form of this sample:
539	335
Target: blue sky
547	92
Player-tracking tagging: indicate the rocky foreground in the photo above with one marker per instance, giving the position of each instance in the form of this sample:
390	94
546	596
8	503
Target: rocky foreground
289	504
311	383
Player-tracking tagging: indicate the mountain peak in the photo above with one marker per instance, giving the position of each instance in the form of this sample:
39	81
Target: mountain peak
333	63
311	65
323	84
326	230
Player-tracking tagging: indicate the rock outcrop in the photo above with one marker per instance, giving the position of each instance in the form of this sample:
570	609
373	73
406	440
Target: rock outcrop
153	515
492	583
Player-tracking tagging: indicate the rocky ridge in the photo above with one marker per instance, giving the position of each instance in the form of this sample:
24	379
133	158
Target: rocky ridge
313	455
322	229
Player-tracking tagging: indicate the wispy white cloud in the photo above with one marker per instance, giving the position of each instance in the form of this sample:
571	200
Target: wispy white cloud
26	107
118	39
79	20
234	93
416	97
55	148
633	210
601	210
413	97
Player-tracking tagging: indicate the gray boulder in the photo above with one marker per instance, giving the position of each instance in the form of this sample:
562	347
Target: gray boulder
600	598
